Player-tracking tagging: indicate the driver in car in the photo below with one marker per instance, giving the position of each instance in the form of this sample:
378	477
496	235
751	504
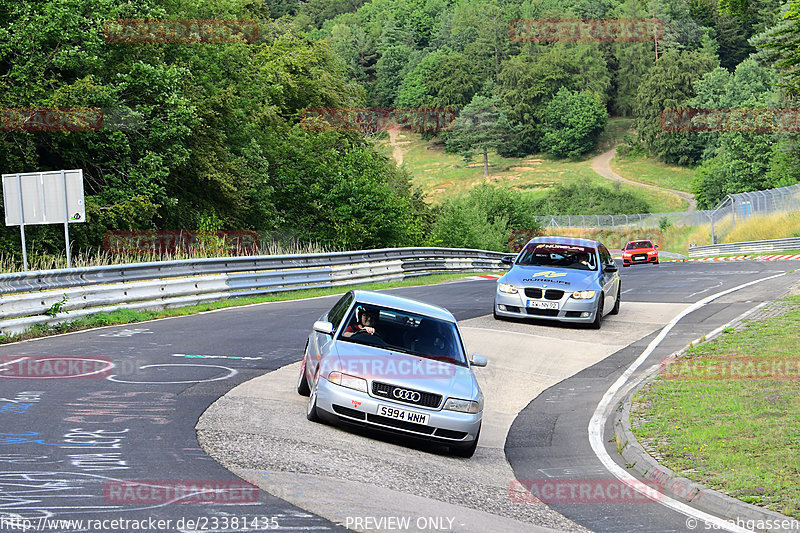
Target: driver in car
366	323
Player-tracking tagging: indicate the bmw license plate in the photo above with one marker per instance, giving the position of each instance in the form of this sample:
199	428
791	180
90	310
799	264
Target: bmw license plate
402	414
542	305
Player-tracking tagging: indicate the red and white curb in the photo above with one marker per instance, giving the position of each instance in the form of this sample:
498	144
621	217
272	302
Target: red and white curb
740	258
485	276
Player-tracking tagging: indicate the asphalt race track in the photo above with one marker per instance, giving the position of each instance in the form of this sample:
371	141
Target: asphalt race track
86	412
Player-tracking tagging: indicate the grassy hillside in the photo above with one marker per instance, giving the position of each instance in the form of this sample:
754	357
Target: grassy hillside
677	239
441	174
652	172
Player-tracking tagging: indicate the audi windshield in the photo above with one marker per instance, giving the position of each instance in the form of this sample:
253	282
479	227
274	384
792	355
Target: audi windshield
404	332
558	256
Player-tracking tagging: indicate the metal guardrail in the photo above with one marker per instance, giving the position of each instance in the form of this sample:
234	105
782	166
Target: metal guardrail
26	296
775	245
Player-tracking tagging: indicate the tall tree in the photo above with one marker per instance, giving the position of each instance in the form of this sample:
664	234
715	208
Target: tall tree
573	121
669	85
481	126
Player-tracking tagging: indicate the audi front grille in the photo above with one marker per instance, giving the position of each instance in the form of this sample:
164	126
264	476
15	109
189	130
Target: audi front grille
405	395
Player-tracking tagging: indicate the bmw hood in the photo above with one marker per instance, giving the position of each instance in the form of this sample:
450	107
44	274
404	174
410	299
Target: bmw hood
405	370
567	279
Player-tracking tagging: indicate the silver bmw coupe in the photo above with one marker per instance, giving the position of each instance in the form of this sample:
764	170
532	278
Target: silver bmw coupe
559	278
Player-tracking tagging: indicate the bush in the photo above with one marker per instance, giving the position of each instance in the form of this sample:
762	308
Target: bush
573	122
483	218
586	199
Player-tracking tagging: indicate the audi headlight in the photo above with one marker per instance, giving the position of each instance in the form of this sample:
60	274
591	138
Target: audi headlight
583	295
464	406
505	287
346	380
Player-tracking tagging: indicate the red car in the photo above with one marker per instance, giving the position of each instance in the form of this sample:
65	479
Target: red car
636	252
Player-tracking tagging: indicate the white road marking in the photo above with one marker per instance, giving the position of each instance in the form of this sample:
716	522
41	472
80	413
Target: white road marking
231	373
597	422
705	290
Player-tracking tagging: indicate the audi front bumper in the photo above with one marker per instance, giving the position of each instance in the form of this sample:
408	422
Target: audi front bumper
341	404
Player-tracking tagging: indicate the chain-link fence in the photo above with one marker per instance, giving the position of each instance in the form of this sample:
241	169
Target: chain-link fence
741	205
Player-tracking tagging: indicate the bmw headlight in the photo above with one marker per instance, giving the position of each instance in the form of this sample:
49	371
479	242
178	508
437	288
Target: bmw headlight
464	406
505	287
346	380
583	295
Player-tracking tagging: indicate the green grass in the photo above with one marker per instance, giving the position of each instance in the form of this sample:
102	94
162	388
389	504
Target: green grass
652	172
740	436
129	316
674	239
750	254
442	175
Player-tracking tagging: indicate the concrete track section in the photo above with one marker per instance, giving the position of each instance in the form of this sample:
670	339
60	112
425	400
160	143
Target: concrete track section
361	479
550	440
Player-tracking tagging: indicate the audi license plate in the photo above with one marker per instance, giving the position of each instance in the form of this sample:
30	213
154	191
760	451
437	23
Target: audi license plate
542	305
402	414
639	257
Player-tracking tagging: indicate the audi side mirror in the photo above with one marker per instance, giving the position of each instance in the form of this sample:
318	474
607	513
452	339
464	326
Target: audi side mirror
477	360
321	326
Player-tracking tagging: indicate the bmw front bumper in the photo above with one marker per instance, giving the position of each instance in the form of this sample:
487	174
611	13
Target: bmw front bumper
569	309
337	403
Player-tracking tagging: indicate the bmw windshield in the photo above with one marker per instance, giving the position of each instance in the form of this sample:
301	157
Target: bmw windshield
558	256
405	332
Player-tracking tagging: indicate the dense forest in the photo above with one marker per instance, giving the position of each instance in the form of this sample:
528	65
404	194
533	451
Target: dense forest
211	135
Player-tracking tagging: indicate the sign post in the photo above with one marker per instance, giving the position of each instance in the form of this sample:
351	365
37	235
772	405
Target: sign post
44	198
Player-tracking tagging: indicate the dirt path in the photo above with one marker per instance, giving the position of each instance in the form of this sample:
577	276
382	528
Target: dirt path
600	164
397	150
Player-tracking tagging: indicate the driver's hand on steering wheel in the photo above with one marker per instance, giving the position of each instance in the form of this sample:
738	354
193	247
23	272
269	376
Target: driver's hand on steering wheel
369	329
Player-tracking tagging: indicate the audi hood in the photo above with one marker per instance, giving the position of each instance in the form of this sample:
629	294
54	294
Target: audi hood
404	370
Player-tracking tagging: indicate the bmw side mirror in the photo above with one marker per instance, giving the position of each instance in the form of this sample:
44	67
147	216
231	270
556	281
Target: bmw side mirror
508	260
610	268
321	326
477	360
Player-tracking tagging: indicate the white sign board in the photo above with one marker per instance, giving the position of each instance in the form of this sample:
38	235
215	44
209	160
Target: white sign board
43	197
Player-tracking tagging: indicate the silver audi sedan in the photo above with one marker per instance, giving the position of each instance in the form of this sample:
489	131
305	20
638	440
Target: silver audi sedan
393	364
560	278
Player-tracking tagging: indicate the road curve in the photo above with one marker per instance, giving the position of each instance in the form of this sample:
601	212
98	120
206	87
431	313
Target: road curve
68	443
600	164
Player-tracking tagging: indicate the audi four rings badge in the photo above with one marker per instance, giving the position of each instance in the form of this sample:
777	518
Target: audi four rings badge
408	395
